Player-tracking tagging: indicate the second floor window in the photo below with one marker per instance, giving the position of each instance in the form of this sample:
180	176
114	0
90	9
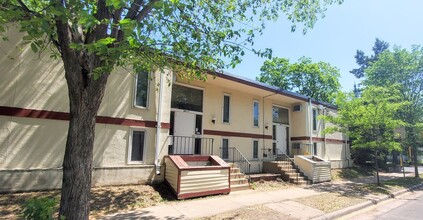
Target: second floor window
314	119
256	113
141	89
226	110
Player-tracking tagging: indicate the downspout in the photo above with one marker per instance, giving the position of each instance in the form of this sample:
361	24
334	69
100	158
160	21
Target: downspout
310	127
159	126
264	124
325	111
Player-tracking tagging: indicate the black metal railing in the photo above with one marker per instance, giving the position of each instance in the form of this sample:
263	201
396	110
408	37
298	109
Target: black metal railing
190	145
289	163
233	155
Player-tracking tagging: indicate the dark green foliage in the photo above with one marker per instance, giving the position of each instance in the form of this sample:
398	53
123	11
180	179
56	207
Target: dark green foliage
318	80
42	208
365	61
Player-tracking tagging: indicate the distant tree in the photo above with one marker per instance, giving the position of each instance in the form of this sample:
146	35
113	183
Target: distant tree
369	120
317	80
364	61
93	37
404	68
356	91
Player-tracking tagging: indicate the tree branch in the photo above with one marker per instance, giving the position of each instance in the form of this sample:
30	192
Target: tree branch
144	11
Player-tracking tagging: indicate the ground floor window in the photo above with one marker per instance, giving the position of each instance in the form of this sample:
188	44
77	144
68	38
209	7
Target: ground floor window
136	147
225	148
255	149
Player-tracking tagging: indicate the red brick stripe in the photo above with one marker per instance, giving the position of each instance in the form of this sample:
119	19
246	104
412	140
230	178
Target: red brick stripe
318	139
43	114
236	134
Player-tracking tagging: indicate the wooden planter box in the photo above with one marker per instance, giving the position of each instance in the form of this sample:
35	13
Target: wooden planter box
193	175
316	169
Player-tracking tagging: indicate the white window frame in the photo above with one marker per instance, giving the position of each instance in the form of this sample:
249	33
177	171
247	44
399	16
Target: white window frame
258	116
225	138
314	120
258	149
289	115
223	108
147	103
193	87
131	131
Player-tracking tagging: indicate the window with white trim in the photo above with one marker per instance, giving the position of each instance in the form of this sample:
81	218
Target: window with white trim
255	149
315	113
136	151
226	108
225	148
141	89
256	112
280	115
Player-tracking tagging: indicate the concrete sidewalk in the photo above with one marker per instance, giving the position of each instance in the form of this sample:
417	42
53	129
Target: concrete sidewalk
216	205
278	200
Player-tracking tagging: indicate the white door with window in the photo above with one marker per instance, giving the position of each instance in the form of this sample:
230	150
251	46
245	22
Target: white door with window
281	138
184	131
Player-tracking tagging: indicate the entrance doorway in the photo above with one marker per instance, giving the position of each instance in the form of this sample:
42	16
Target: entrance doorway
183	132
280	139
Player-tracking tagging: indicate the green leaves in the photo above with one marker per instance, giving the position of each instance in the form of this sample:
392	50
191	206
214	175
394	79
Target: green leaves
317	80
370	120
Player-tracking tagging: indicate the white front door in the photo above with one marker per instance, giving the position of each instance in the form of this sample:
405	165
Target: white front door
281	139
184	131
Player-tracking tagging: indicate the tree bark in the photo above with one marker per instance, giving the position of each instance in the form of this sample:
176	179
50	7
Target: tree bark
377	167
412	139
85	96
78	159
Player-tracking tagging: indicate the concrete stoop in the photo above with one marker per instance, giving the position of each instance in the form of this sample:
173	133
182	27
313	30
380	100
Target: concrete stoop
287	171
238	180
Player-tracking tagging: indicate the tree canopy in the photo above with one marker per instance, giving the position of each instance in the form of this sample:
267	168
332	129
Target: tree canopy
404	68
318	80
370	119
92	37
365	61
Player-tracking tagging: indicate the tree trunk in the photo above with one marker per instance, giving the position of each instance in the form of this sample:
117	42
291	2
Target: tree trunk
412	140
85	95
377	167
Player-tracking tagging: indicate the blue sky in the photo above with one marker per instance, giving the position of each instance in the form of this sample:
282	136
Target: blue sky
353	25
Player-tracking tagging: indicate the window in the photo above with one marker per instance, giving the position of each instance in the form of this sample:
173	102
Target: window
136	148
255	149
256	113
315	149
314	119
226	110
141	89
187	98
225	148
280	115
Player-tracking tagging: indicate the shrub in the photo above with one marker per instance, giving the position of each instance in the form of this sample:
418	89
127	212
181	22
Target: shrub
41	208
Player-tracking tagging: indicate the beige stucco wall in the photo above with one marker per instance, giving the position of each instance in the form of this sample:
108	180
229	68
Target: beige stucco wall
32	149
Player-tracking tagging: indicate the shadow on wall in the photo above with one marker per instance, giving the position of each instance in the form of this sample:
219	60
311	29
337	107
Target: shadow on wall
32	149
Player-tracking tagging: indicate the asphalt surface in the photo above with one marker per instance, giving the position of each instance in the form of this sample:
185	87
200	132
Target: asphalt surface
407	207
411	169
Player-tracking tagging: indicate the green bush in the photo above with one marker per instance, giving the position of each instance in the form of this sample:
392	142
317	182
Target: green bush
41	208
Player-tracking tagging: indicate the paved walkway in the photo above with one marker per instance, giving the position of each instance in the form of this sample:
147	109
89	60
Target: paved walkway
278	200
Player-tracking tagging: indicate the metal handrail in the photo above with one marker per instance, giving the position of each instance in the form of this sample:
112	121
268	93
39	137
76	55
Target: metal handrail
190	145
284	157
237	158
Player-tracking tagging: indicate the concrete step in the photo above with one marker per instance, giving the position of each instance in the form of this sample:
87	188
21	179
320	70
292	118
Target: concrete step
235	170
237	176
239	187
239	181
289	170
300	182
